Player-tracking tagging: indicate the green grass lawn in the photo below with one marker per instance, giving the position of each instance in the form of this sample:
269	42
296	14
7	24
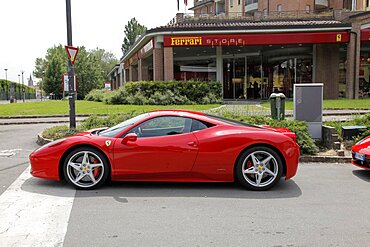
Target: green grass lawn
56	107
334	104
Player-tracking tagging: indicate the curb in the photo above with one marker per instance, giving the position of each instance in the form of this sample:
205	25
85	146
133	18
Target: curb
41	140
36	122
49	116
325	159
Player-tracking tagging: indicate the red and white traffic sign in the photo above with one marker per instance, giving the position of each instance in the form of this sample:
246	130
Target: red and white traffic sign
72	53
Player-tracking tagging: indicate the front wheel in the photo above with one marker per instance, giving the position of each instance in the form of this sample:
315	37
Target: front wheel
86	168
259	168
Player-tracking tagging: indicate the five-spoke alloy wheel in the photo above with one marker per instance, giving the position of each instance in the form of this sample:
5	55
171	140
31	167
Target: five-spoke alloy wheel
86	168
259	168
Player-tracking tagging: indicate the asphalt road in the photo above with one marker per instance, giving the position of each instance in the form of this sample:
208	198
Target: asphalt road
324	205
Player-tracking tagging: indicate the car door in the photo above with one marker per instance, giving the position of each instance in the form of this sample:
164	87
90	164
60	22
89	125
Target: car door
164	145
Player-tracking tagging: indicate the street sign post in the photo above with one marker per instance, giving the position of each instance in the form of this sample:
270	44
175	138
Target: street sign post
72	53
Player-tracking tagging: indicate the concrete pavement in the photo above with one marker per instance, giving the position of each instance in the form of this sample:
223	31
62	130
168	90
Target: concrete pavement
328	115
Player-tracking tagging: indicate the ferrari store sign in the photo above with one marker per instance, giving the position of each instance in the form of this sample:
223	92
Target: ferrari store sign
257	39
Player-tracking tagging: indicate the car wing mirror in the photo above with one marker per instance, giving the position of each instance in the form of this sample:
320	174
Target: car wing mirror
132	137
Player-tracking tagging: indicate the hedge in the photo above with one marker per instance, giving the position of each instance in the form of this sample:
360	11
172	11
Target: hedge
357	121
5	87
161	93
304	140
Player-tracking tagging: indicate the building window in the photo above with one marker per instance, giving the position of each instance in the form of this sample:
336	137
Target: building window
307	9
239	2
279	8
265	12
211	9
231	3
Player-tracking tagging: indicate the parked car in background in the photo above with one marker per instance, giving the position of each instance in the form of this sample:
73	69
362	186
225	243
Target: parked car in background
361	153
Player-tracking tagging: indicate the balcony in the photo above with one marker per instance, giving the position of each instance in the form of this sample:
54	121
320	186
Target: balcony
321	4
252	7
202	2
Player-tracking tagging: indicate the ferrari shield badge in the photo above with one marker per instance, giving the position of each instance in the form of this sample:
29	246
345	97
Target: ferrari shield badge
108	142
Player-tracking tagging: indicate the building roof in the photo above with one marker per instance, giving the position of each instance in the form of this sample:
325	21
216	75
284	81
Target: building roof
248	25
236	26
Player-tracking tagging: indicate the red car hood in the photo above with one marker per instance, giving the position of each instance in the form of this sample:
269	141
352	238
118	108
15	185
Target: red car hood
284	131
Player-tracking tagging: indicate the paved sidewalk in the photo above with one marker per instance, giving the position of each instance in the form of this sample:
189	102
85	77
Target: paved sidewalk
328	115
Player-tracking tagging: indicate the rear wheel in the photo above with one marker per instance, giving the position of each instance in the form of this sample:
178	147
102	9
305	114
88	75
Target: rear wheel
259	168
86	168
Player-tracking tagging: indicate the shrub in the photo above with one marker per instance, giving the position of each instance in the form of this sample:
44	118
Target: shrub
58	132
363	121
98	95
304	140
162	93
95	121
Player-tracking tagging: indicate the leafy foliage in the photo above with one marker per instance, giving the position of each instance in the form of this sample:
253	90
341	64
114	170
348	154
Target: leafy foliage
5	87
304	140
162	93
133	29
91	68
92	122
359	121
58	132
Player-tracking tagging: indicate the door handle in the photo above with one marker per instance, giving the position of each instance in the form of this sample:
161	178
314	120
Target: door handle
193	144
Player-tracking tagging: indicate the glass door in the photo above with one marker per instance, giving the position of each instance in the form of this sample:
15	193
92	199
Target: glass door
255	80
244	78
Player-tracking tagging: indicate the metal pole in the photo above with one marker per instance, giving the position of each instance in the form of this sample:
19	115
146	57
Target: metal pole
23	88
71	72
6	79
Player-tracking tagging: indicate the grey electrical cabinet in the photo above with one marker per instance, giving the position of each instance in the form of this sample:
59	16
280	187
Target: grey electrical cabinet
308	104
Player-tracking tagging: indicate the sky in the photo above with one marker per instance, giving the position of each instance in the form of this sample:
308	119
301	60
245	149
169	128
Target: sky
29	27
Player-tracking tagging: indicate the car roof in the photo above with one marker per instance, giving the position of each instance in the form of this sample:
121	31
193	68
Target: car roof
178	112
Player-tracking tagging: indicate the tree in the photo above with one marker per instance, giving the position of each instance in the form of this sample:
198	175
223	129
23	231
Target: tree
91	69
132	30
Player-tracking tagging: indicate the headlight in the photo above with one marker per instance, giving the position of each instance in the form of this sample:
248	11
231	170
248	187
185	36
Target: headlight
50	144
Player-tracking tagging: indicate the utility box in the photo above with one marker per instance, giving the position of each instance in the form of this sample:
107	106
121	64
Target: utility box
348	132
308	105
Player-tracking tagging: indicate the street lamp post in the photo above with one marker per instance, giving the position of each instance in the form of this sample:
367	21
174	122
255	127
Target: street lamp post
6	80
23	88
19	82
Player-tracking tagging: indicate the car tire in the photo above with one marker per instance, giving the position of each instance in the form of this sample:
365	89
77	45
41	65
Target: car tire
259	168
86	168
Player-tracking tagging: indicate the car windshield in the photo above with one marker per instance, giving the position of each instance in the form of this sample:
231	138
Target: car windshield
232	122
112	131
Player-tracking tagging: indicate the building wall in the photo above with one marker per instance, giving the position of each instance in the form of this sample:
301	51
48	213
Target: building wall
327	66
236	6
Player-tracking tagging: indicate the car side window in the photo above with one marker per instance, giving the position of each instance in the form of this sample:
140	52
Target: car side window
197	125
163	126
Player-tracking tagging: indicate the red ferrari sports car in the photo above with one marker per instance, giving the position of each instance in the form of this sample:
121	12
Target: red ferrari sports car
171	146
361	153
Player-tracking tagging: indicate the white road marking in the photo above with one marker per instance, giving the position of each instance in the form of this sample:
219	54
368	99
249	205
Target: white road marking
34	212
9	153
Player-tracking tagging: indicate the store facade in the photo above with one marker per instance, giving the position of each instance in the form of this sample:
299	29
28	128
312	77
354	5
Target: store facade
254	59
